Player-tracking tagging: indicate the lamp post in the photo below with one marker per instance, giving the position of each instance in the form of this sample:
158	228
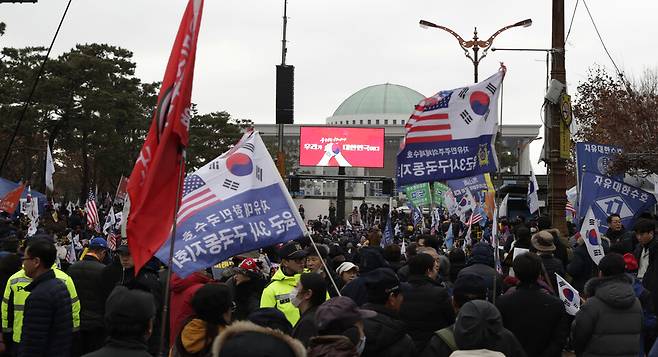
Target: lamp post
475	44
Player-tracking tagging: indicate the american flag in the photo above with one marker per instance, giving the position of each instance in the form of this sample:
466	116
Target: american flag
112	240
429	121
569	207
196	196
476	217
92	211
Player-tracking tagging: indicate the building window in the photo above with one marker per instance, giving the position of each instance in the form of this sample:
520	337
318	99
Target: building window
385	121
353	121
395	121
402	121
377	121
360	121
369	121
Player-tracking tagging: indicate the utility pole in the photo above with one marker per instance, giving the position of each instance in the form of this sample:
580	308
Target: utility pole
557	184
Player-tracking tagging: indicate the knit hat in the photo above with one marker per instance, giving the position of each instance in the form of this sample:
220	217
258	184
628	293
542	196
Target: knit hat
125	306
271	317
211	301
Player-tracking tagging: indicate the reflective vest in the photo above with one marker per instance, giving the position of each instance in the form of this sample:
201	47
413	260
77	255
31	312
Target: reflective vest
277	294
15	296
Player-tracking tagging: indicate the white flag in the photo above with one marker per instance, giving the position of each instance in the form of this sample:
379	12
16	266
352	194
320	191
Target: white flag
502	210
533	198
50	168
589	232
110	221
568	295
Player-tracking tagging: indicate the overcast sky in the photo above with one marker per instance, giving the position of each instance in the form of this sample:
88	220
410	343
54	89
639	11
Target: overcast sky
341	46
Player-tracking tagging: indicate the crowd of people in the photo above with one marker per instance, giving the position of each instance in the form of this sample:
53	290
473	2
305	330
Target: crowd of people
340	291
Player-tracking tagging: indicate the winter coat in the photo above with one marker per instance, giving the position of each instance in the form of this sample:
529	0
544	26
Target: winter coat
182	291
521	311
552	265
306	326
563	250
650	279
426	308
331	346
87	277
582	267
122	348
47	322
244	338
386	335
610	321
246	296
277	294
621	241
478	326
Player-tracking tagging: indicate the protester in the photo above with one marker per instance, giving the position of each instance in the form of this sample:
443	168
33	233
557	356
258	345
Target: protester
543	245
426	307
87	277
370	259
648	310
341	330
347	272
314	264
582	267
386	335
537	319
14	299
247	285
646	254
621	241
182	292
481	262
272	318
212	305
277	293
610	321
129	317
307	296
47	322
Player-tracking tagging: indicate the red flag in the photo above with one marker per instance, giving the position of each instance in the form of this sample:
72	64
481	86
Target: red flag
11	199
154	180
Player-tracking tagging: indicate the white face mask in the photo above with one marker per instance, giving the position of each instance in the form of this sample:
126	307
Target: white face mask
294	300
361	345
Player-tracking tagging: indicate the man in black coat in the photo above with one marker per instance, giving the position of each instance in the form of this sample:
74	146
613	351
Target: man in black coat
537	319
87	277
481	263
646	254
307	296
385	334
621	240
47	321
426	307
129	315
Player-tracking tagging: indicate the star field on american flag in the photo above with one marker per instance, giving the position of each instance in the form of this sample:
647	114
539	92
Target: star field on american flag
442	103
192	183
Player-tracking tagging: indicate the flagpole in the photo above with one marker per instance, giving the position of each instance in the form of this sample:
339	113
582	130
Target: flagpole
165	307
326	270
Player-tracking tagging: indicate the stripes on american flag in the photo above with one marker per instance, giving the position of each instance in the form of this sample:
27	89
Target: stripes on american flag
112	240
429	121
569	207
475	218
196	197
92	211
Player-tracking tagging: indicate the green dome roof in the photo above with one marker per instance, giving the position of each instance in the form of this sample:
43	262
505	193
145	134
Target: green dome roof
380	99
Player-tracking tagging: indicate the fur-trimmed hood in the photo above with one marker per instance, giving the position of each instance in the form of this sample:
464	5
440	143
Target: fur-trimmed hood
244	338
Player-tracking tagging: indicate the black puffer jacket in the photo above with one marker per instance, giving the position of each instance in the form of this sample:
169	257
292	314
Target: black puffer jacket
123	348
47	323
87	277
386	335
610	322
425	309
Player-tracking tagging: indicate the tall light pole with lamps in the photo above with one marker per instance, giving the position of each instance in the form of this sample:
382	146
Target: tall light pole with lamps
475	44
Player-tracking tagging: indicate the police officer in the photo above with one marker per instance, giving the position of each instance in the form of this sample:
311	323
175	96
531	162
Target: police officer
13	302
277	293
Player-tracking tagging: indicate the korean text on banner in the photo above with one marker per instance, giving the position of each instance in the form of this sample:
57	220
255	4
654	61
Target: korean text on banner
438	190
607	196
595	158
235	203
450	135
478	185
419	194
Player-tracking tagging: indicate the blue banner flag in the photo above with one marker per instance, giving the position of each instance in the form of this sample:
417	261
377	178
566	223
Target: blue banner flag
450	134
479	185
387	236
234	204
594	158
607	196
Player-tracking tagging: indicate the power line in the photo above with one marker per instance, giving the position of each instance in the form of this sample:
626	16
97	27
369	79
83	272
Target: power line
34	87
621	75
573	15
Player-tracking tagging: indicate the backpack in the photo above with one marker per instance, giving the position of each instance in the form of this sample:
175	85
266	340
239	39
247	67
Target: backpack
448	336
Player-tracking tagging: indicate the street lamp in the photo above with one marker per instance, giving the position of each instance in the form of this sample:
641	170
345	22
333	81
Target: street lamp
475	44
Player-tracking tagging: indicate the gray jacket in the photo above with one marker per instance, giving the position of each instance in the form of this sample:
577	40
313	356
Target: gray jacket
610	322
